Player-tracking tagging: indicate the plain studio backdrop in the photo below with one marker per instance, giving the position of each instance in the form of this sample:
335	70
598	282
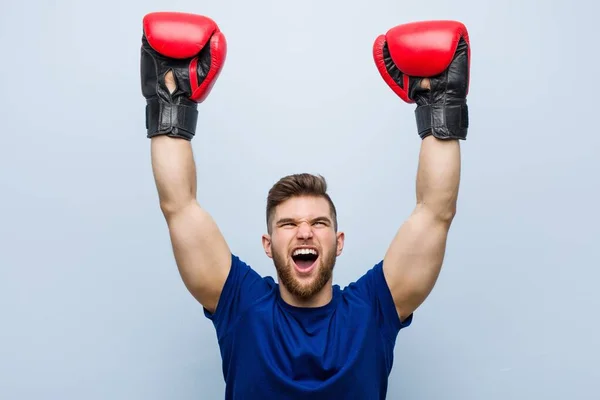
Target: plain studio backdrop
91	303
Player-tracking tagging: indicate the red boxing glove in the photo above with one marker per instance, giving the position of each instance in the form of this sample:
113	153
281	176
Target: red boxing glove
194	50
439	51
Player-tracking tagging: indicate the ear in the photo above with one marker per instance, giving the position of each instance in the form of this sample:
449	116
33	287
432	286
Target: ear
340	236
266	242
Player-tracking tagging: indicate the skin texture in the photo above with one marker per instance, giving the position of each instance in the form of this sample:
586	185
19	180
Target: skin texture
413	261
304	222
202	255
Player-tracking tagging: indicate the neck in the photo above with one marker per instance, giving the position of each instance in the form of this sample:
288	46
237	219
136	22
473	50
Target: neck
319	299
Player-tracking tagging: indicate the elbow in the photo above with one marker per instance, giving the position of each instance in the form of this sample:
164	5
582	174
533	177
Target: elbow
446	215
443	212
170	208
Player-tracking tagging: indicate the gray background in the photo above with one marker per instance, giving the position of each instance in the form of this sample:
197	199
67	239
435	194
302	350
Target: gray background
91	304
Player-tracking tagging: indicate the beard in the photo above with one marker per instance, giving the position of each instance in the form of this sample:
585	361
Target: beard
285	272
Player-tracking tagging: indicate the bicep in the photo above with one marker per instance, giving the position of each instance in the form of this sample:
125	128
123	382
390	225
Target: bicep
414	259
201	253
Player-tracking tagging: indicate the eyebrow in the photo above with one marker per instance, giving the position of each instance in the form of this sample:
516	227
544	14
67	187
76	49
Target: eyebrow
287	220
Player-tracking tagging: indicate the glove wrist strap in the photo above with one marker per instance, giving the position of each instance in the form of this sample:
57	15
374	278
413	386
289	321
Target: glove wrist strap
443	121
175	120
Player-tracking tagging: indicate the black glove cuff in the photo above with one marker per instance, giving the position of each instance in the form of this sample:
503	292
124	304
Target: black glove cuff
175	120
443	121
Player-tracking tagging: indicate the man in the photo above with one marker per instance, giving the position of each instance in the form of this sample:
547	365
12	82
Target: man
303	337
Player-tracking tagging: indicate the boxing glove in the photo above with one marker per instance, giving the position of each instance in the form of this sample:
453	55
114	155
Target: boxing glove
194	49
439	51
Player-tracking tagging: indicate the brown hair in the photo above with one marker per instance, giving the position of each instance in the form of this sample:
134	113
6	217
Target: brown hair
298	185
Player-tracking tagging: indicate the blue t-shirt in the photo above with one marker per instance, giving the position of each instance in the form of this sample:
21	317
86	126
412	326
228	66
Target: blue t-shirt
272	350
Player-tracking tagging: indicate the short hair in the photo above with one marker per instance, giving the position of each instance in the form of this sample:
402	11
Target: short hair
297	185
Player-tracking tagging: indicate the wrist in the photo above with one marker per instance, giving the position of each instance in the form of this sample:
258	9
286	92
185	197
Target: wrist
175	120
444	121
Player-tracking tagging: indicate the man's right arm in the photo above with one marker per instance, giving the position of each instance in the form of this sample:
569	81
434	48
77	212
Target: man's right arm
181	57
202	255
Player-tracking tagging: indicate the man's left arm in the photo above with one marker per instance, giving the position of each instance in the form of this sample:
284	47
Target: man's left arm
414	259
427	63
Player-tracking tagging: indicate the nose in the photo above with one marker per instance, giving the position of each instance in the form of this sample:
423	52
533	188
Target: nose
304	231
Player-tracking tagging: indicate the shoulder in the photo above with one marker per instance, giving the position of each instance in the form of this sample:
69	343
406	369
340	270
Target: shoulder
369	284
243	287
371	290
245	279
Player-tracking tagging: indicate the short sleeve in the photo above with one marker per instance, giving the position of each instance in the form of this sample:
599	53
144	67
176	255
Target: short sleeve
373	289
243	287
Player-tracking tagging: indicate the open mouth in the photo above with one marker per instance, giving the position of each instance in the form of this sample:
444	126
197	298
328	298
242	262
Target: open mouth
305	259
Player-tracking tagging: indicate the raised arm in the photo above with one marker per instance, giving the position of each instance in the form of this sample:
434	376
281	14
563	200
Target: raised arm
174	81
414	258
427	63
201	253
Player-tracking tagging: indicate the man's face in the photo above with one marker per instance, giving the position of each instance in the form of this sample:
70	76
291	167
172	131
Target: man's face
304	245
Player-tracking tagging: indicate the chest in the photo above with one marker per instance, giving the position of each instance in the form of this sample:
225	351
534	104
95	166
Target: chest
307	347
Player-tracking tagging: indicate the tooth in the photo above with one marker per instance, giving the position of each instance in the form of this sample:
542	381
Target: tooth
304	251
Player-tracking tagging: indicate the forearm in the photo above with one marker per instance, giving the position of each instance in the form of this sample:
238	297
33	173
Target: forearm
174	172
438	177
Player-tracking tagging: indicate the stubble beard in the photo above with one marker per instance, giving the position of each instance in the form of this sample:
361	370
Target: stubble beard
285	273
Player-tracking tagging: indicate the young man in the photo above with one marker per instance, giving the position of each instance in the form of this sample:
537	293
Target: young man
303	337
